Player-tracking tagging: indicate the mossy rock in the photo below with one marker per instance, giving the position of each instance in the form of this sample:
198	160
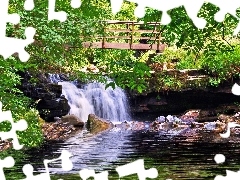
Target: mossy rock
96	124
41	121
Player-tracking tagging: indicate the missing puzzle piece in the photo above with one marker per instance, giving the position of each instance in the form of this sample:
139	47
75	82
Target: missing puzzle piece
86	174
158	5
230	175
66	164
137	167
10	45
28	171
226	7
21	125
192	9
60	15
116	5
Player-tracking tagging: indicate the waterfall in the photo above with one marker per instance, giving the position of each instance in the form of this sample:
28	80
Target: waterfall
110	104
80	106
54	78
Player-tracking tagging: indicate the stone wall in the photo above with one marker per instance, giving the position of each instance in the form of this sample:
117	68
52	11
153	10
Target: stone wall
49	101
179	102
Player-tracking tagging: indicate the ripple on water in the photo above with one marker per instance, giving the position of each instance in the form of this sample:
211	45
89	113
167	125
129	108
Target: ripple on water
175	156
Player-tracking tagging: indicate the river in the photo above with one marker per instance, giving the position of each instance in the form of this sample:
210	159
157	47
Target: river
178	156
176	153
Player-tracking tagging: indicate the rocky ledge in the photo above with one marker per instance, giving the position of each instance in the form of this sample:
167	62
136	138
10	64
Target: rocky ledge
62	129
65	127
190	126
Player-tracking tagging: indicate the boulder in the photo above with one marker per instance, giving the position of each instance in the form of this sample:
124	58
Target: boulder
50	108
96	124
190	116
226	118
72	120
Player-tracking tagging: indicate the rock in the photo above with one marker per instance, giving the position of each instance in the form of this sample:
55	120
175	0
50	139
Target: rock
58	131
155	125
210	126
207	116
135	125
96	124
47	95
57	119
225	118
72	120
220	127
50	108
43	78
172	101
123	125
93	68
197	125
192	113
161	119
5	145
190	116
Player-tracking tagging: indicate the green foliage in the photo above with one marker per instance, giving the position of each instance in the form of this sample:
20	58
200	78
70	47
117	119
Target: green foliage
50	54
58	49
200	48
164	82
13	99
183	33
33	135
224	65
134	76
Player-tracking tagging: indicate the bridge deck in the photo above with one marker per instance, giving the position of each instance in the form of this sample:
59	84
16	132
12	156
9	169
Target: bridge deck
129	35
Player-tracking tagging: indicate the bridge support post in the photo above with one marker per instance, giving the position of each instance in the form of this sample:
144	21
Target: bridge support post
104	38
131	39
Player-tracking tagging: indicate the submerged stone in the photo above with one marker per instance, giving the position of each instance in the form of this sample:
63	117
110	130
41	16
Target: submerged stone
72	120
96	124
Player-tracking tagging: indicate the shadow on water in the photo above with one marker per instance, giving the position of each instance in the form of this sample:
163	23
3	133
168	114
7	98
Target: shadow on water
175	156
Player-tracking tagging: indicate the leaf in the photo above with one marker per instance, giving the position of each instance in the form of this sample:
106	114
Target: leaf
111	84
139	88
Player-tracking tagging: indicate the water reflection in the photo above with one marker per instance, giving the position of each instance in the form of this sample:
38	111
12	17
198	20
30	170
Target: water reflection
185	155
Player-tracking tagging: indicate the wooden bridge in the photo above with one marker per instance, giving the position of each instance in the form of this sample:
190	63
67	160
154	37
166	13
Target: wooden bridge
133	36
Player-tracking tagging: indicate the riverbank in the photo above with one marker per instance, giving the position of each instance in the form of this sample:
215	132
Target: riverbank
54	132
65	128
199	121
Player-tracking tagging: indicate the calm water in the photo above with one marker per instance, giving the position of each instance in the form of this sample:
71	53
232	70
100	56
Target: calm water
177	154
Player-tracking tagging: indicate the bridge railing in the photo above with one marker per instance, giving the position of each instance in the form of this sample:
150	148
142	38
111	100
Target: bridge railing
132	36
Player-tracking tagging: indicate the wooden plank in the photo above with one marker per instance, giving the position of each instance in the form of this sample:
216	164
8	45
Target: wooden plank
136	31
130	22
124	46
125	37
146	38
118	30
131	35
92	44
114	37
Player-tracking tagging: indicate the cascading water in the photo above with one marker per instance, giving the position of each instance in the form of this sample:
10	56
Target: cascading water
80	106
54	78
110	104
